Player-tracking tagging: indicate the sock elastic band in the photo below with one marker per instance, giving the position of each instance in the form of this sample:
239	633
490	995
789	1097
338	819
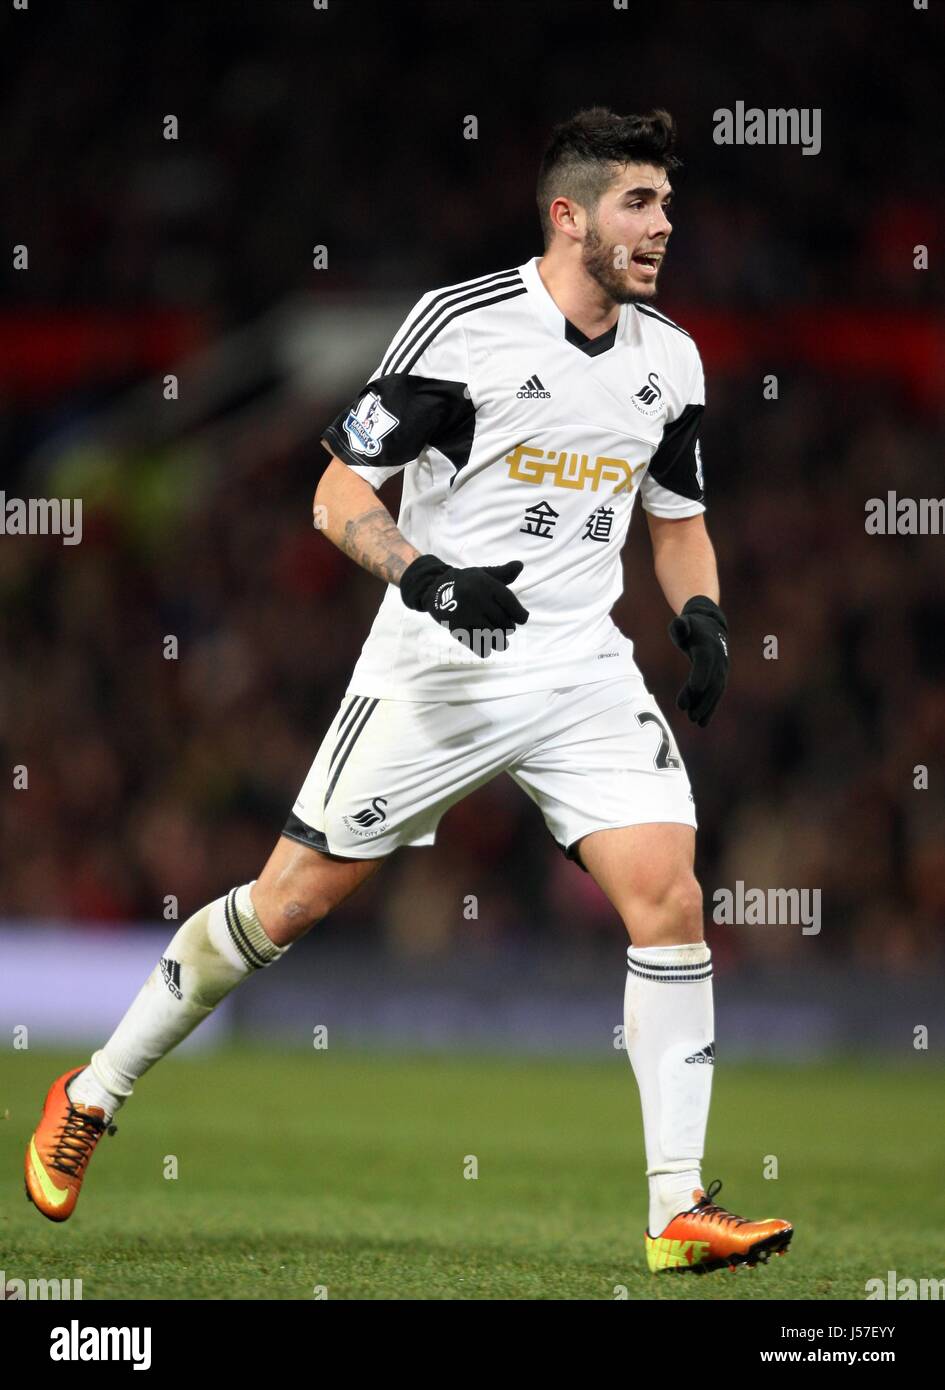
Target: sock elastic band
247	932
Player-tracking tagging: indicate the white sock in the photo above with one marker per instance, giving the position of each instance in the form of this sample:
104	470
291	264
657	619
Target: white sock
213	951
85	1089
668	1027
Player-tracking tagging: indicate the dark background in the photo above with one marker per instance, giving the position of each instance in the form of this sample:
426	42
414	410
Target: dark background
300	127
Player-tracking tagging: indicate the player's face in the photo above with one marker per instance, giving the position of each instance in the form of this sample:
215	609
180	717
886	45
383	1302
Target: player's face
625	241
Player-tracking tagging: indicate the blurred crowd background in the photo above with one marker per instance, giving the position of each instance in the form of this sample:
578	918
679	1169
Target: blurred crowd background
344	127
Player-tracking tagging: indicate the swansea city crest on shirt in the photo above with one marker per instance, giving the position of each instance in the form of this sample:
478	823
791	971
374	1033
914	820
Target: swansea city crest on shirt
367	424
649	399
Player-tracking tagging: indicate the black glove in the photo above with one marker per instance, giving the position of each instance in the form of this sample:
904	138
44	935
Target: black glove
474	603
702	633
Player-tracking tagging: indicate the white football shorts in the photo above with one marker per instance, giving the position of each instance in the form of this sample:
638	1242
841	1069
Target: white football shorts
591	757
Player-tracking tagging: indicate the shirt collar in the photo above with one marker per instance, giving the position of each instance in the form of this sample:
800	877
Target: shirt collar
545	306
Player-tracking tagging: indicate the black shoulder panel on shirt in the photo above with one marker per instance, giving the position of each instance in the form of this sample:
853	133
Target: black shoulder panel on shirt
395	417
675	465
661	318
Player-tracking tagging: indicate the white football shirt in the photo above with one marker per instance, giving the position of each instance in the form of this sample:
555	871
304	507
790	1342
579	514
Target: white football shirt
521	439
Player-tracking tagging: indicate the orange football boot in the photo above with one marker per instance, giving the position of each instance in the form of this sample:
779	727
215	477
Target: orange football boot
708	1237
60	1149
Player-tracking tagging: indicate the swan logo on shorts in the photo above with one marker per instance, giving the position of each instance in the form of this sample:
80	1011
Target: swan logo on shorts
367	424
362	823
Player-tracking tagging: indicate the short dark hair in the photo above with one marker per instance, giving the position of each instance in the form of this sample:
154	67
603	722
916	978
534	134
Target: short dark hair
584	154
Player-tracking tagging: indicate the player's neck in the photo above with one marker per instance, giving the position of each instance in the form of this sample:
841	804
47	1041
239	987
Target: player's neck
582	301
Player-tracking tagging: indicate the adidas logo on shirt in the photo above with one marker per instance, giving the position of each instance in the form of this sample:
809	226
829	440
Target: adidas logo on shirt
533	390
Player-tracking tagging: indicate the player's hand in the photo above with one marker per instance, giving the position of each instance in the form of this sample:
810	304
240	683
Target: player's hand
473	603
701	631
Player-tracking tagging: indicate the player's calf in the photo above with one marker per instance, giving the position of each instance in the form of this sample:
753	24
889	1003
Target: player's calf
211	953
217	948
300	886
214	950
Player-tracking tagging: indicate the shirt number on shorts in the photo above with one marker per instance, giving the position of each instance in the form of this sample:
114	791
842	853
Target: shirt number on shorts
665	758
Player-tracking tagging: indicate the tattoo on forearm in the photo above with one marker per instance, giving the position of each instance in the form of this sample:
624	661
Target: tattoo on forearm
373	542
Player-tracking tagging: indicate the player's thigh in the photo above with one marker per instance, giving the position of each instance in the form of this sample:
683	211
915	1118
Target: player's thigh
607	759
611	784
647	873
300	885
388	770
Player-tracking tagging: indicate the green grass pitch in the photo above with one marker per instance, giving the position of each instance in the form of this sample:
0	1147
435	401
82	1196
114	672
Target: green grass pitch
346	1171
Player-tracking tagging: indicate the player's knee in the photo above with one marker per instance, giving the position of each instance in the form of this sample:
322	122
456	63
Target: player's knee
682	908
670	915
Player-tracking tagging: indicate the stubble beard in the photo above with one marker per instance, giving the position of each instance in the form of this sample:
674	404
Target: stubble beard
597	258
